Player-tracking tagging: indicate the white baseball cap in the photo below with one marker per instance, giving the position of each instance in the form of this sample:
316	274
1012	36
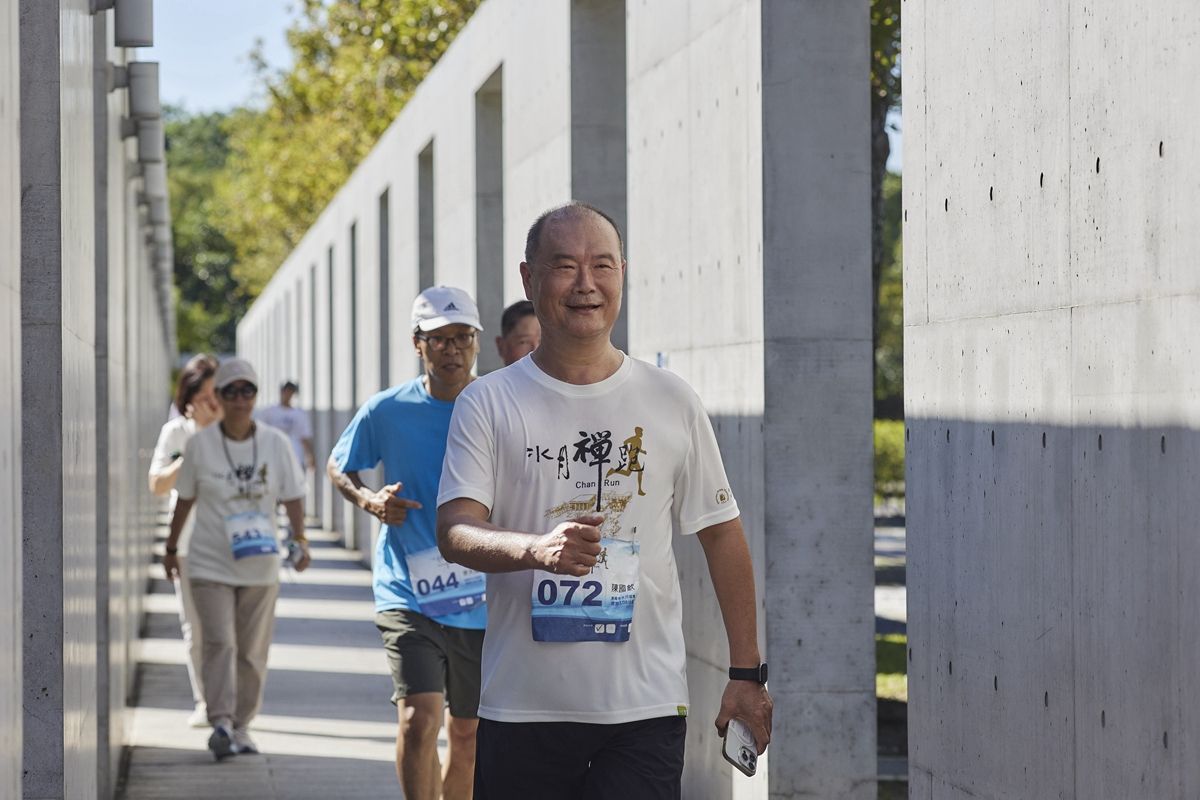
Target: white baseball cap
444	305
234	369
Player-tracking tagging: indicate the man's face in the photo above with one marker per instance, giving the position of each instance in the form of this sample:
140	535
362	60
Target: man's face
576	277
522	340
447	359
286	396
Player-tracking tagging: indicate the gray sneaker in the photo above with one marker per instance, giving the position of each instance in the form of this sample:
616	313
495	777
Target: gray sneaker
242	743
221	743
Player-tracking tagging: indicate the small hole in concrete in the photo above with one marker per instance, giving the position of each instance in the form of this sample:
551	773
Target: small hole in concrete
1160	155
995	683
990	193
1164	738
1162	444
1041	179
947	204
906	215
993	438
1102	721
951	667
1043	440
1100	442
1097	165
910	654
947	434
1046	699
907	435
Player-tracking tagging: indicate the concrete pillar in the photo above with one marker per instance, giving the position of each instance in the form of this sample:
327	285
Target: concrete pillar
598	159
58	392
10	407
489	215
749	222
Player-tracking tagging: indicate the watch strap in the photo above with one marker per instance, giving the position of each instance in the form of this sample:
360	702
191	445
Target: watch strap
756	674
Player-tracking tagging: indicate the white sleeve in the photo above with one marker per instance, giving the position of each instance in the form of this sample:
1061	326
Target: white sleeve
469	468
291	483
702	494
171	439
185	483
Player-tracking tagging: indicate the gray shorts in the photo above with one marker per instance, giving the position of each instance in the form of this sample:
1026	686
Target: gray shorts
426	656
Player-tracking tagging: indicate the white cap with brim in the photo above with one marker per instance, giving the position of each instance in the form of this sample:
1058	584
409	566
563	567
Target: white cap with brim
438	306
233	370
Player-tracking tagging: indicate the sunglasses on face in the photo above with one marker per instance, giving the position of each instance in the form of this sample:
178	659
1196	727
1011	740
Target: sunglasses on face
435	342
246	390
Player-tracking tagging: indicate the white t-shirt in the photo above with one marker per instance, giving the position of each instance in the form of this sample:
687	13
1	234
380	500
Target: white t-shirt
293	422
173	438
233	488
533	450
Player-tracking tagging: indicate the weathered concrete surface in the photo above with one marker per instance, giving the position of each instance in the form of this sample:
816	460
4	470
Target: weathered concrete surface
10	406
1051	304
748	209
92	339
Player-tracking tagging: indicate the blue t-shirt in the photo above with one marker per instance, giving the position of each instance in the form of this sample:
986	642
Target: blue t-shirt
405	428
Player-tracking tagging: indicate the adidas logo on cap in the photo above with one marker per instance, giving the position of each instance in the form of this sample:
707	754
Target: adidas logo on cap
450	307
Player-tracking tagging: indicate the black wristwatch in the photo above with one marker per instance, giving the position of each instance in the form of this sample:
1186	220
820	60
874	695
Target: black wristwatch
757	674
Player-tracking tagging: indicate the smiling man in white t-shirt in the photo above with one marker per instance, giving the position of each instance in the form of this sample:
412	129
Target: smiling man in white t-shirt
563	479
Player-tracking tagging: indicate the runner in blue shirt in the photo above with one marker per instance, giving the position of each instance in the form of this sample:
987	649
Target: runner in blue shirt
431	614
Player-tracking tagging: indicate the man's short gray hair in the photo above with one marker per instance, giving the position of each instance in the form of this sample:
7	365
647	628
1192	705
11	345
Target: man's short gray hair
566	211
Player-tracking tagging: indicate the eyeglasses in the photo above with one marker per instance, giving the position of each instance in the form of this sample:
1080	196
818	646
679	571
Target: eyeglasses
246	390
435	342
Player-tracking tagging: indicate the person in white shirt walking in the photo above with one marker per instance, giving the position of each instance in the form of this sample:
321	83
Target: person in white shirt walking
196	408
564	476
293	421
233	474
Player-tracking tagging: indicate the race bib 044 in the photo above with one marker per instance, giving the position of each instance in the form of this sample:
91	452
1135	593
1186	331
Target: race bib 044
443	588
595	608
250	534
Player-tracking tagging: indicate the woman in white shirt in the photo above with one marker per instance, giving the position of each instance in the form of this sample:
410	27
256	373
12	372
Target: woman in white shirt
196	402
233	475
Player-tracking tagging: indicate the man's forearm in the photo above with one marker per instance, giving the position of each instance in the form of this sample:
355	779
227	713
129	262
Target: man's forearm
732	574
347	483
482	546
295	515
178	517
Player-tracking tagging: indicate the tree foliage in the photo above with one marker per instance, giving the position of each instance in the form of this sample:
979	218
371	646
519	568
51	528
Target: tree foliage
885	98
355	64
209	300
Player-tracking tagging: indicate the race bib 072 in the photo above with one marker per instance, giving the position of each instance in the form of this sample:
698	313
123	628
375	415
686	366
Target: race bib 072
443	588
595	608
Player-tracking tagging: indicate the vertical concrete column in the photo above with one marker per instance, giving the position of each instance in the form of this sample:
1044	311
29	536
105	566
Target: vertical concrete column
598	157
489	214
10	406
817	440
57	396
749	218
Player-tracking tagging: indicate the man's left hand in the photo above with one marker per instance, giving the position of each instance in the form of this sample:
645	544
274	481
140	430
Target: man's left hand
749	702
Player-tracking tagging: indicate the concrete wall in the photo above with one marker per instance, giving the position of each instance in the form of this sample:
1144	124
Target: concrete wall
10	406
749	219
1051	307
733	135
94	359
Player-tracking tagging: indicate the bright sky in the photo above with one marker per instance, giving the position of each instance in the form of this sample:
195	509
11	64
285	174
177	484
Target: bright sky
202	48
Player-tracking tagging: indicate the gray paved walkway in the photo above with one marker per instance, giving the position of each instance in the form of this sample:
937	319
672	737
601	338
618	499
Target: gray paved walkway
327	729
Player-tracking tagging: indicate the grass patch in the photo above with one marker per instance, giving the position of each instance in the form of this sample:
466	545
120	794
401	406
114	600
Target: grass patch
891	666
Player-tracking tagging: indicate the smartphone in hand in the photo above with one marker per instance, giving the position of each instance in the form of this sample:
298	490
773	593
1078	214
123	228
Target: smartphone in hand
739	748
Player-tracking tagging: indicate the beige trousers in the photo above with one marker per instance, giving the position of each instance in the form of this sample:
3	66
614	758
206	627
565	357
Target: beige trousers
235	628
189	626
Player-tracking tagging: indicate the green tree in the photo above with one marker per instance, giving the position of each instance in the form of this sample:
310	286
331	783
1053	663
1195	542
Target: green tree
885	98
889	309
355	64
209	300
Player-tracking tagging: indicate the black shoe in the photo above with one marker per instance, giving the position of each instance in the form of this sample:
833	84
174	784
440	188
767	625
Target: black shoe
221	743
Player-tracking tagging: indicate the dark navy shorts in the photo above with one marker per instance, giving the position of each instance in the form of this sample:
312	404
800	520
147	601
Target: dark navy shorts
640	760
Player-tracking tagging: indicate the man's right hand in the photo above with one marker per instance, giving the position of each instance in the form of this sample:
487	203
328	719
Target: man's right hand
571	548
387	506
